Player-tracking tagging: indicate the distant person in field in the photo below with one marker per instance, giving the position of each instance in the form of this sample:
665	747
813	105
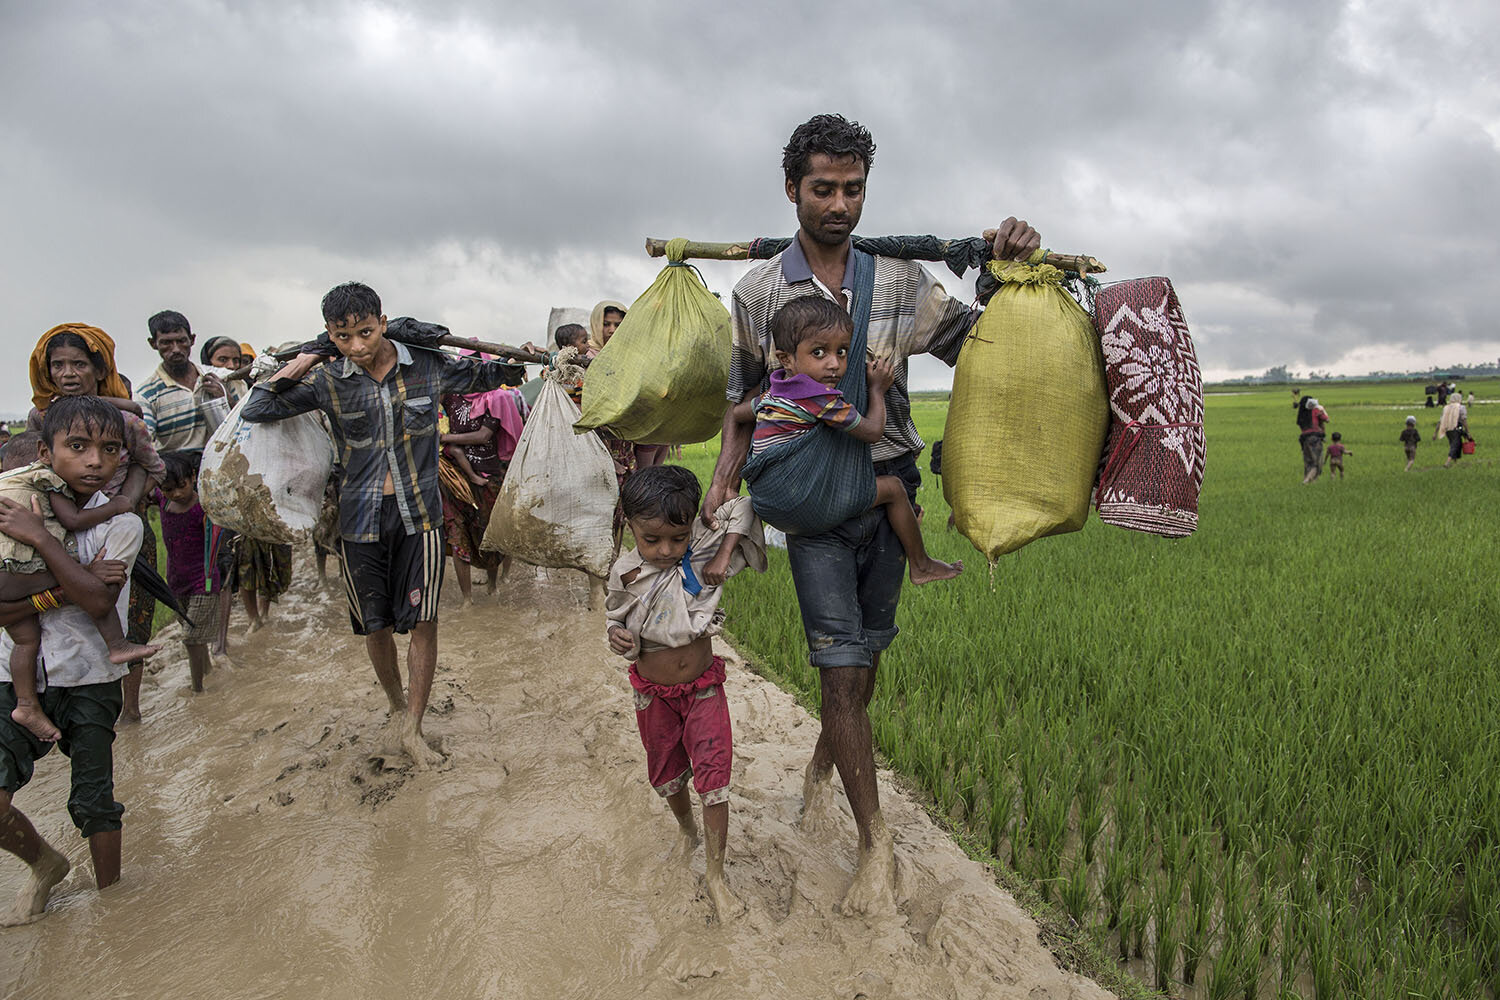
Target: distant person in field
381	399
663	609
1453	424
1410	438
811	337
1336	453
1311	419
848	580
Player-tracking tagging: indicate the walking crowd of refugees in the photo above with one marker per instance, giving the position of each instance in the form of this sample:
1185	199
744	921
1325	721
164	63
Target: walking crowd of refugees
422	438
1312	421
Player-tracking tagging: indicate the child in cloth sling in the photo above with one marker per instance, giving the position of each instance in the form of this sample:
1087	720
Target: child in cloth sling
810	467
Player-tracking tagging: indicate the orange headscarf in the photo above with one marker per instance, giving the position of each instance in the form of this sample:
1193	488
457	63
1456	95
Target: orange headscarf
43	389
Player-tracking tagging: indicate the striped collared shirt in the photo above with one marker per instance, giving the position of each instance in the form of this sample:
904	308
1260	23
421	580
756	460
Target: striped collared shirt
379	427
910	314
171	412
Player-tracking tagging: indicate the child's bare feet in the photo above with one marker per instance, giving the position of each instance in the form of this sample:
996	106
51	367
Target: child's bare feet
256	624
934	569
126	651
727	906
29	714
478	480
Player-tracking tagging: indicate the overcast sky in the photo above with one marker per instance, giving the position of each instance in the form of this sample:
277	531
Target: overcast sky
1318	179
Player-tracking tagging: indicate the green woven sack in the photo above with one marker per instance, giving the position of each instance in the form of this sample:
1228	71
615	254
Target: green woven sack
1028	416
662	376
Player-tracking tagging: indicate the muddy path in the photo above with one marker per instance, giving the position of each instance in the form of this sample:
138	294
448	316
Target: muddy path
272	851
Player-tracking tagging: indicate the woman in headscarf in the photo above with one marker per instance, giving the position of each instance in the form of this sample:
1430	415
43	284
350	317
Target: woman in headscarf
1454	425
74	359
484	427
603	322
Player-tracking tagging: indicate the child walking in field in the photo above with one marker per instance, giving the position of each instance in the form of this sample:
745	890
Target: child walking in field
1336	453
812	335
192	545
663	609
63	483
1410	438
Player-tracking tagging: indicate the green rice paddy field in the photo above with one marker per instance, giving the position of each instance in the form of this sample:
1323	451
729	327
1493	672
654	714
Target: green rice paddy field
1260	761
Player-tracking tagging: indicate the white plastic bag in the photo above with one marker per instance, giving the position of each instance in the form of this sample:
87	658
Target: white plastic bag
266	481
556	506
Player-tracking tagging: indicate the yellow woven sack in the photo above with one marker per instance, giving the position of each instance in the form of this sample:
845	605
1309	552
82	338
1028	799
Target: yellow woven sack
1028	415
662	376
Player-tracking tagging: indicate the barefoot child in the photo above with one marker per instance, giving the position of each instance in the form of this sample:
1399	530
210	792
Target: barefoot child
63	483
1410	438
381	399
663	608
1335	455
192	558
83	694
812	336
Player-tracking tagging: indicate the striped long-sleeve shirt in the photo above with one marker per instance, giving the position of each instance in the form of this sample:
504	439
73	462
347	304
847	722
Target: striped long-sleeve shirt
379	427
910	314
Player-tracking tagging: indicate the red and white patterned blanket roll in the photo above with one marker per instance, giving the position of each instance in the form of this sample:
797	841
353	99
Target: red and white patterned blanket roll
1152	470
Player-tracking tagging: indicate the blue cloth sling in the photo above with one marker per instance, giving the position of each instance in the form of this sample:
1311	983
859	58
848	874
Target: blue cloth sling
822	478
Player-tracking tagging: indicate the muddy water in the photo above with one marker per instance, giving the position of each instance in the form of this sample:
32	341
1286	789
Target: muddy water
271	850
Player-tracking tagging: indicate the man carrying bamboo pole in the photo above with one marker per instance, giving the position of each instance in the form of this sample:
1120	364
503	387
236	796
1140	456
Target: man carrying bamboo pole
848	579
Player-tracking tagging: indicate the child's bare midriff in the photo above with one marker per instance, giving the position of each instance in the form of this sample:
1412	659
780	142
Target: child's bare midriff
679	665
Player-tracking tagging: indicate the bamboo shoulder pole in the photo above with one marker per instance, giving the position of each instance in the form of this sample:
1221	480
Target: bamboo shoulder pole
1081	263
484	347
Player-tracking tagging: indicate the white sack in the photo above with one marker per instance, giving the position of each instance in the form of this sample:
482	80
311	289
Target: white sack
266	480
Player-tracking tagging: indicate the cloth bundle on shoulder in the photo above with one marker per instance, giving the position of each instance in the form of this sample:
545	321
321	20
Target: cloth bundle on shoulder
556	506
1028	416
266	481
824	476
1152	470
661	377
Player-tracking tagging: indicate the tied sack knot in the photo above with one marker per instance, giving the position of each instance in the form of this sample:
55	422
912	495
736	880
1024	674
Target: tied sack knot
565	372
1032	272
676	252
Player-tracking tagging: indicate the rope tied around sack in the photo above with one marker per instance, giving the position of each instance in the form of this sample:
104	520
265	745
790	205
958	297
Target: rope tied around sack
676	252
1033	271
564	371
1130	435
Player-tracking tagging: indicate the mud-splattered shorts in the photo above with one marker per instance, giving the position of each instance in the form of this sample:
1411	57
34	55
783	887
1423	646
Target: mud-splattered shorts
86	715
685	730
849	578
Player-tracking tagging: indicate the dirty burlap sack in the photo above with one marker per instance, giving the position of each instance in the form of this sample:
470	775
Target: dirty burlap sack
661	378
266	480
1028	415
556	506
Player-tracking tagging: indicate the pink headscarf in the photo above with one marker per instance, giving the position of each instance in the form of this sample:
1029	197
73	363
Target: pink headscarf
504	405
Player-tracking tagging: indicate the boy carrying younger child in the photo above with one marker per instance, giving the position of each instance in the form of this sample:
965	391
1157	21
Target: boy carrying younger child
84	438
663	608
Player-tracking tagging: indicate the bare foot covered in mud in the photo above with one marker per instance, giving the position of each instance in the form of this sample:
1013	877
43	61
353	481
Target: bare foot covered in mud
873	891
819	810
410	741
255	626
29	714
933	570
125	651
685	843
727	906
49	870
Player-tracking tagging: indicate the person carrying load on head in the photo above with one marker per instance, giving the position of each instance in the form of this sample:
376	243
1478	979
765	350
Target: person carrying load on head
1311	419
381	400
848	574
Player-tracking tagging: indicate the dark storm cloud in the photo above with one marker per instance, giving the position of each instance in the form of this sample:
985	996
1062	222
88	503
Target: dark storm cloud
1316	177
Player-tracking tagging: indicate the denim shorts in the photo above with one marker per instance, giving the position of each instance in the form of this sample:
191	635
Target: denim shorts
849	578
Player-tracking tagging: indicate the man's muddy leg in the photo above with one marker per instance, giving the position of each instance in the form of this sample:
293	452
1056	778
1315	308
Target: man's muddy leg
48	866
421	663
819	811
464	574
130	685
381	647
846	691
104	849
